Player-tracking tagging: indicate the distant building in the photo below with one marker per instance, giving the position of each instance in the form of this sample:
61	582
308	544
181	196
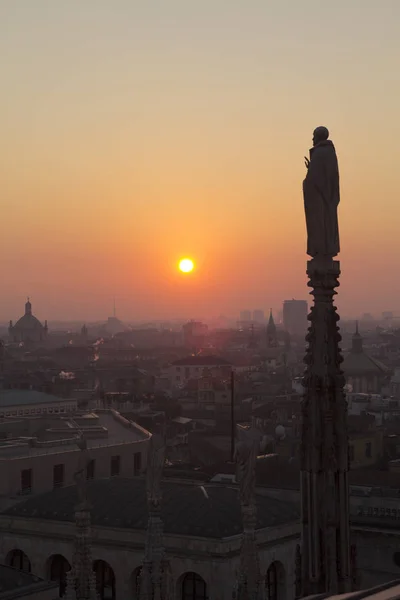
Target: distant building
194	367
367	317
28	329
295	316
388	316
364	374
114	326
258	316
28	403
245	316
194	334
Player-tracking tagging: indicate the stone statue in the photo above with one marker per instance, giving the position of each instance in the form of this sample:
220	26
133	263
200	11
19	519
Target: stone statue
246	453
322	196
155	466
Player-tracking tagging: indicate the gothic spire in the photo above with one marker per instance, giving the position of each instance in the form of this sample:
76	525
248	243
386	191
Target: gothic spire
272	339
325	560
155	580
28	307
81	579
248	585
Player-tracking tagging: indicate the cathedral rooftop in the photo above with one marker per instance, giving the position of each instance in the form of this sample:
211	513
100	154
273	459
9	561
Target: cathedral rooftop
18	584
208	510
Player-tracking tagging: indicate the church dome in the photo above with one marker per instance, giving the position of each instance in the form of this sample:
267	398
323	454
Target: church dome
357	362
28	329
28	321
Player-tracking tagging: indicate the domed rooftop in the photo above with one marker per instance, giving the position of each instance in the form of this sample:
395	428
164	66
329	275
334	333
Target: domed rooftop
358	362
28	321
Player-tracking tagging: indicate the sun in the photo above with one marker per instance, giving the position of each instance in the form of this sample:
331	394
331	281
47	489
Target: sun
186	265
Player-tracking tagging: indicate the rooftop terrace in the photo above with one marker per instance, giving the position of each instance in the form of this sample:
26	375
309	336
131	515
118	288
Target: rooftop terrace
100	428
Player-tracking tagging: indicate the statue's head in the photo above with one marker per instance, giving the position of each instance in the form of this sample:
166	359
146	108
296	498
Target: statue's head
320	135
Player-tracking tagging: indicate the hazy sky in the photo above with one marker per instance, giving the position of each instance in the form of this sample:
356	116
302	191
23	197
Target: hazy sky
134	132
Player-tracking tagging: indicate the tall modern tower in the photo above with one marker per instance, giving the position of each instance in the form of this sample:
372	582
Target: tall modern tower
325	550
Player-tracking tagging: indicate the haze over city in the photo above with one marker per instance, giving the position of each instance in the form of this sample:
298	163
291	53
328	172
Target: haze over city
138	133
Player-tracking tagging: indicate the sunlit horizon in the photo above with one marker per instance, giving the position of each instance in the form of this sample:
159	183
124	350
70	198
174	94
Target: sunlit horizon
134	132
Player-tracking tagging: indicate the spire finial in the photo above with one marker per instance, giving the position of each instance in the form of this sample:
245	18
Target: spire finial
357	332
115	310
28	307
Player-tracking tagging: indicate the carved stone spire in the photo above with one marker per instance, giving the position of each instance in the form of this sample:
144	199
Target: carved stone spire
249	583
325	557
81	579
155	579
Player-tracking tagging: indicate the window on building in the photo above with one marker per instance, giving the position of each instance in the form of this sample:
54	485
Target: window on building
59	567
58	476
351	453
90	469
271	583
115	466
193	587
137	463
178	377
18	560
105	580
26	481
368	450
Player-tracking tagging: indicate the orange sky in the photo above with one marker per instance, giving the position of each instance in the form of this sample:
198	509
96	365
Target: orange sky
137	133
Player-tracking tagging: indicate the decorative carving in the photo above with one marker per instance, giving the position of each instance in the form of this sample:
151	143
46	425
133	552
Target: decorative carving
248	585
155	466
324	448
155	579
81	579
246	453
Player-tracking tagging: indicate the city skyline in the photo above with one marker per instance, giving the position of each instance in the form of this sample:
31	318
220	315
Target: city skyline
138	136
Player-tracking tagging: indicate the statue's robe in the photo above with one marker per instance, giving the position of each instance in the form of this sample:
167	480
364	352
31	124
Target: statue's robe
321	199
